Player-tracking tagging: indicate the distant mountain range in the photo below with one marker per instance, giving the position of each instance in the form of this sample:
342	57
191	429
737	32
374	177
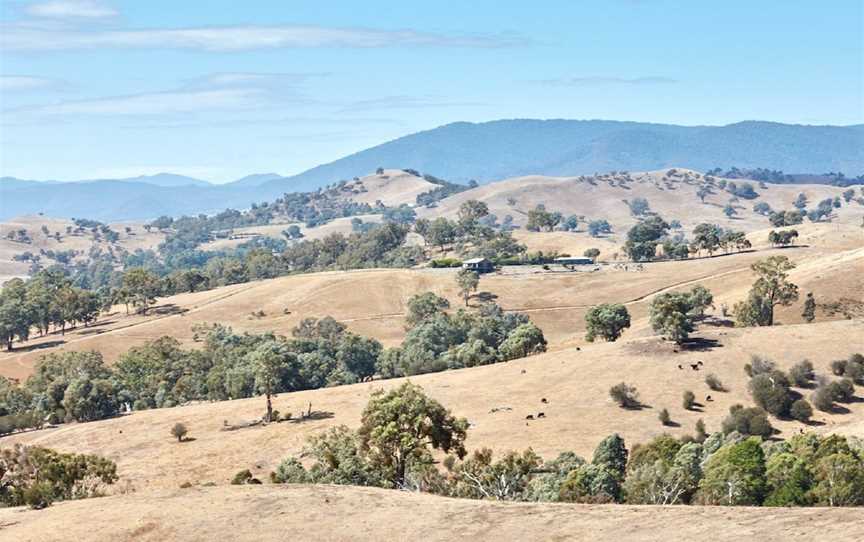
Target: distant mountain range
463	151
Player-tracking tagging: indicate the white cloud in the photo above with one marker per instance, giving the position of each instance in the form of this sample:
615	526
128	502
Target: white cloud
403	102
603	81
238	38
153	103
245	79
11	83
77	9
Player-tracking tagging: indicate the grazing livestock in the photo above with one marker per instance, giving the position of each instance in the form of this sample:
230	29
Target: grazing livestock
529	417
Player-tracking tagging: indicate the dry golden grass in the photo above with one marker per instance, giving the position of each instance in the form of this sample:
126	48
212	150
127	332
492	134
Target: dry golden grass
575	382
139	238
676	200
574	378
372	302
332	513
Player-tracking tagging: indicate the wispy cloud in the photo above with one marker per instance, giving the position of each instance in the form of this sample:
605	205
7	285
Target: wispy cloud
152	103
256	79
403	102
13	83
24	37
71	9
606	81
228	91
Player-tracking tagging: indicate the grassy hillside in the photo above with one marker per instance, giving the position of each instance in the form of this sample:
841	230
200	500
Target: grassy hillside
579	412
82	243
372	302
265	513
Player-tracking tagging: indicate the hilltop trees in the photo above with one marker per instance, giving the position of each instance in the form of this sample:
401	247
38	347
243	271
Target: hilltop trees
142	286
771	288
608	320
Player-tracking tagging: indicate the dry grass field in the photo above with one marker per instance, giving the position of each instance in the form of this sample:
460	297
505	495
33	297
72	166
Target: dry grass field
137	238
672	199
372	302
579	412
573	376
333	513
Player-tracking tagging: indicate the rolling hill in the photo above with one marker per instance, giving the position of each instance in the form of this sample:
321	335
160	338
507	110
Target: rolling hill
462	151
510	148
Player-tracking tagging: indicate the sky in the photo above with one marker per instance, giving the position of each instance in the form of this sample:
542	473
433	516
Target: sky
218	89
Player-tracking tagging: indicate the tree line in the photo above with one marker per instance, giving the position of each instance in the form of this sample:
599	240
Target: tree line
79	386
400	429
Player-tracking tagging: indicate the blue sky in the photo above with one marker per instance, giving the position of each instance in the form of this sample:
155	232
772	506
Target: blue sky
218	89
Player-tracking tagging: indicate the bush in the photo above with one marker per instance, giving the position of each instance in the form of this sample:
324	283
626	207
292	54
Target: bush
770	392
842	391
244	477
758	365
838	367
802	374
626	396
714	383
855	370
445	262
179	431
801	410
823	398
664	417
701	434
747	421
689	400
36	477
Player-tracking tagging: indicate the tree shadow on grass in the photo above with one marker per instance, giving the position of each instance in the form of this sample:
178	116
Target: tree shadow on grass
484	297
312	416
33	347
169	308
700	344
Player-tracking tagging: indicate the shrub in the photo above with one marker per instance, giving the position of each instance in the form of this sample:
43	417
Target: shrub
855	370
244	477
801	410
179	431
445	262
664	417
758	365
689	400
842	390
626	396
36	477
838	367
747	421
770	392
701	434
802	374
714	383
823	398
